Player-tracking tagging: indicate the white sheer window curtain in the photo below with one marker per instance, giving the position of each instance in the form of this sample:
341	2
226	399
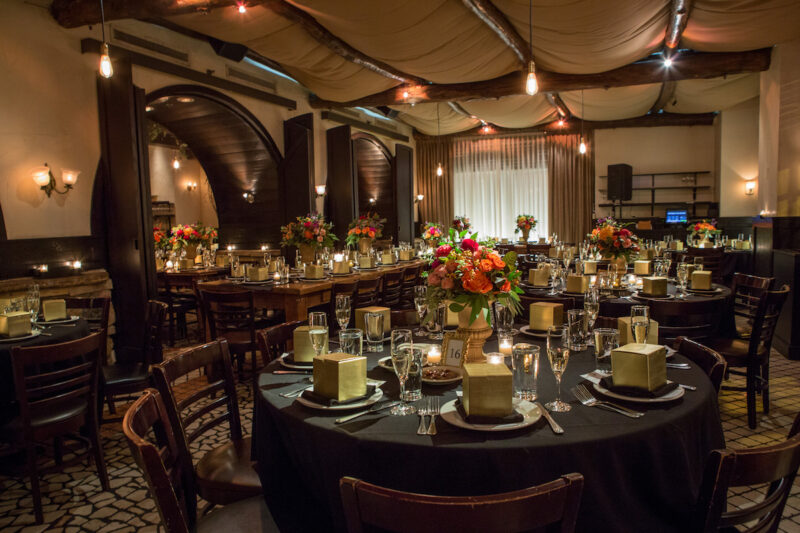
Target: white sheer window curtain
496	179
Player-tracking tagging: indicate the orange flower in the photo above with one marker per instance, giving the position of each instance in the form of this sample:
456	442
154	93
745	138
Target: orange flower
476	282
308	234
496	261
506	286
358	231
486	265
371	234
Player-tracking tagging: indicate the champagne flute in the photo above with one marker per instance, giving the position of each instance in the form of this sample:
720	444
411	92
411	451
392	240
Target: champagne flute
683	278
32	301
640	323
591	305
401	361
558	355
318	331
421	305
343	310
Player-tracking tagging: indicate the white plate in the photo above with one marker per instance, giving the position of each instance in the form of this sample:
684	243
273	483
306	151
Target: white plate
317	280
670	396
283	363
366	269
645	296
526	330
528	410
375	398
34	333
69	320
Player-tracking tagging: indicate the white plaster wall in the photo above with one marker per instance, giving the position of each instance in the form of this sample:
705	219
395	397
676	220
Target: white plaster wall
738	136
169	185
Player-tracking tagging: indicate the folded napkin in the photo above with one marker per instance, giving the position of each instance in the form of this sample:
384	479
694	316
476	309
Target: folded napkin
324	400
513	418
608	383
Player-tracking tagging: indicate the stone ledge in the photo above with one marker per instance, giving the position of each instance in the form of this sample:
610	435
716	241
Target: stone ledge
96	279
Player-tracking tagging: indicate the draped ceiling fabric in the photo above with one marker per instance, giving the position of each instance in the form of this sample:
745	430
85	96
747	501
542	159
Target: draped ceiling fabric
698	96
612	104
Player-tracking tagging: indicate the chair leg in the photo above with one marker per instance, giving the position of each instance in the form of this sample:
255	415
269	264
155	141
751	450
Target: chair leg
765	386
112	408
97	452
752	376
58	450
35	489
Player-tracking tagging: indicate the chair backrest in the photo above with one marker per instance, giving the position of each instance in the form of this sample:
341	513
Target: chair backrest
606	322
208	406
712	363
50	378
367	292
274	341
94	310
368	507
766	318
526	301
154	316
775	465
229	311
712	260
411	276
391	289
746	291
170	483
404	317
694	319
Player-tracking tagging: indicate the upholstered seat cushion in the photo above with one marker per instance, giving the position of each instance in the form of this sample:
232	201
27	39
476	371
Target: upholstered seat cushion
245	516
227	472
735	351
74	410
124	374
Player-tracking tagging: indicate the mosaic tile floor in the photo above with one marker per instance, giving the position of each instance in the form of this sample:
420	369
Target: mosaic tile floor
74	502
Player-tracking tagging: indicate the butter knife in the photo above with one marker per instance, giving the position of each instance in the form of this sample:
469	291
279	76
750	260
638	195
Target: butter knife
558	430
373	409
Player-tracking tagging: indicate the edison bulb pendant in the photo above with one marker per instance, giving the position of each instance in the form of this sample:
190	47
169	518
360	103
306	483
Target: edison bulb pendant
106	69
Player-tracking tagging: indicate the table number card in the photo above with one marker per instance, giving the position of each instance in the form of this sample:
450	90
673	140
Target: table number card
453	347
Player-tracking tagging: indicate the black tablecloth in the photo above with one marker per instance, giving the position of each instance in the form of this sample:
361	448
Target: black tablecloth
641	475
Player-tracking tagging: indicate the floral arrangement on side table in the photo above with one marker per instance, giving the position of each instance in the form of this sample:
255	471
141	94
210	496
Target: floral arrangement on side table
461	223
525	223
363	230
160	239
308	233
613	240
704	229
432	233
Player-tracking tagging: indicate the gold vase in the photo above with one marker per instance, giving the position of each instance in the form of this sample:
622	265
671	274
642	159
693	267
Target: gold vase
364	246
475	334
525	234
306	253
620	268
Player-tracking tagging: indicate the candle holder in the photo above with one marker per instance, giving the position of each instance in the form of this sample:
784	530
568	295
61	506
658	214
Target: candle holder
495	358
505	342
435	356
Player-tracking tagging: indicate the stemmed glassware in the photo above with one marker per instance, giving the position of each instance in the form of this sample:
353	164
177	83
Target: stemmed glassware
343	310
698	264
402	357
683	278
421	305
591	305
640	323
318	331
32	302
440	318
558	355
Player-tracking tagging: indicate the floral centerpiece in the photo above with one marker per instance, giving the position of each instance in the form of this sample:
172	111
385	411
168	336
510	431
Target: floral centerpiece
364	230
160	239
614	241
308	233
705	229
461	224
432	233
188	237
470	277
525	223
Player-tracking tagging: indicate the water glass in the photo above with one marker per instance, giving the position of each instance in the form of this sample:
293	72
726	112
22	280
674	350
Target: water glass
525	370
402	361
32	302
318	331
576	322
640	323
373	327
591	305
605	340
343	310
558	350
421	305
683	278
351	341
504	319
438	322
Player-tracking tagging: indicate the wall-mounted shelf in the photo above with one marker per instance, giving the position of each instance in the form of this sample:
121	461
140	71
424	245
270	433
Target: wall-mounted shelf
690	203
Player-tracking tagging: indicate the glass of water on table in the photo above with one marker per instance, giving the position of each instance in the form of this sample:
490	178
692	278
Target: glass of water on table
318	331
400	340
640	323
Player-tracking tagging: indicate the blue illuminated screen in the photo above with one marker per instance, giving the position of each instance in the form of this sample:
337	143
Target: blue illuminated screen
676	216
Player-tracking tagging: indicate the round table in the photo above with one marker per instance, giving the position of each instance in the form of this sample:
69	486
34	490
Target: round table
640	474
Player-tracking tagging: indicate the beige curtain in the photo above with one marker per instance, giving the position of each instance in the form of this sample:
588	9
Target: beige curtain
571	187
437	206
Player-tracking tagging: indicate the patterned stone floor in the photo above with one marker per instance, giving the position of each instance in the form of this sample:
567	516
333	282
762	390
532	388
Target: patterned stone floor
74	501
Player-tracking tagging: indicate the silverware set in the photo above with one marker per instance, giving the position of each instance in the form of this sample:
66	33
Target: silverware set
295	393
583	395
430	408
374	409
557	429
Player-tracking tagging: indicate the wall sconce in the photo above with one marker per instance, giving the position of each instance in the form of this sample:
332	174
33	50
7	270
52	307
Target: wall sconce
191	186
320	189
372	201
750	187
43	177
249	197
420	197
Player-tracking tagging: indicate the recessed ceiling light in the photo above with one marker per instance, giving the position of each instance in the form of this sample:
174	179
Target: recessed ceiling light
148	108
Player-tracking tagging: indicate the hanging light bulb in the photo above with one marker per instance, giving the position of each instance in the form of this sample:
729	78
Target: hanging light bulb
531	85
582	147
106	69
176	163
439	170
242	8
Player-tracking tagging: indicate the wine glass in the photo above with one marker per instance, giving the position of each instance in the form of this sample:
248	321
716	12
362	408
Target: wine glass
558	355
504	319
683	278
591	305
343	310
32	301
401	361
640	323
421	305
318	331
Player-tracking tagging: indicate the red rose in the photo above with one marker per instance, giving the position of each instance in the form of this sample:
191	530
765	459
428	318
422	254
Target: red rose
469	244
444	250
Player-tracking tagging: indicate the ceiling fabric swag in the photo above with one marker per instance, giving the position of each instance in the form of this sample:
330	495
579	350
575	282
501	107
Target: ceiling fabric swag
437	205
702	96
521	111
424	118
570	186
612	104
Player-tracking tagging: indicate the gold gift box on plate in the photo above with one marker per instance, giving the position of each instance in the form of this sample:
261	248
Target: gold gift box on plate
643	366
366	261
590	267
626	336
546	314
303	350
642	268
701	279
185	264
257	273
223	260
54	310
406	255
654	286
340	376
539	277
387	317
341	267
387	258
314	272
15	324
577	284
487	389
676	245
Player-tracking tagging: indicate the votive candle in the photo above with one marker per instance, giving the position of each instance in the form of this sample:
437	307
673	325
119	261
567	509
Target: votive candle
434	356
495	358
506	342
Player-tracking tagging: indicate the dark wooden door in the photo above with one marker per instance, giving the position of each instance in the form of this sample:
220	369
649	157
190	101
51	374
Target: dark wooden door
404	171
297	181
342	199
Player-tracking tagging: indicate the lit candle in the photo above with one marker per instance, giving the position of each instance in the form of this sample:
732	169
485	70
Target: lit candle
169	265
263	247
495	358
76	265
276	276
506	342
434	356
338	257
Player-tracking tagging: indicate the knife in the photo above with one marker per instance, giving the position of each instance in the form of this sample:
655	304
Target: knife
373	409
306	372
558	430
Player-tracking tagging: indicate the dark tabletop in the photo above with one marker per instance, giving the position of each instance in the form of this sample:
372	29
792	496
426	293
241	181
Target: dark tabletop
641	474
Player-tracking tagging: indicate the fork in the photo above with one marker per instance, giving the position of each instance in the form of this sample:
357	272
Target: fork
296	392
433	412
422	411
586	398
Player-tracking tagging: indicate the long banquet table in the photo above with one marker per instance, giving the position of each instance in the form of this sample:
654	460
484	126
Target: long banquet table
640	474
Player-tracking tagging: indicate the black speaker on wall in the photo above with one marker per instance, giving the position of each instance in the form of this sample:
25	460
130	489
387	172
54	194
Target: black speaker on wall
620	181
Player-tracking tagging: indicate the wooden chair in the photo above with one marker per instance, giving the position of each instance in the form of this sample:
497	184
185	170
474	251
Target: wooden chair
275	341
224	474
712	363
94	310
753	354
698	320
56	390
368	507
180	303
526	301
391	289
231	316
746	291
410	279
774	466
367	292
171	482
712	260
404	318
128	378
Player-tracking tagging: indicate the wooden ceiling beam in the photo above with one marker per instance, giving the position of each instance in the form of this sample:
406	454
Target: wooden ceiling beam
497	21
689	65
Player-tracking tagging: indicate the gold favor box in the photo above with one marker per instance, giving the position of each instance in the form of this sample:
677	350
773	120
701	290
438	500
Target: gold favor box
649	253
366	261
487	389
185	264
303	350
340	376
546	314
387	317
272	266
626	336
504	240
341	267
676	245
590	267
257	273
237	272
539	277
387	258
406	255
701	279
643	366
654	286
223	260
314	272
54	309
741	245
15	324
642	268
553	253
577	284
